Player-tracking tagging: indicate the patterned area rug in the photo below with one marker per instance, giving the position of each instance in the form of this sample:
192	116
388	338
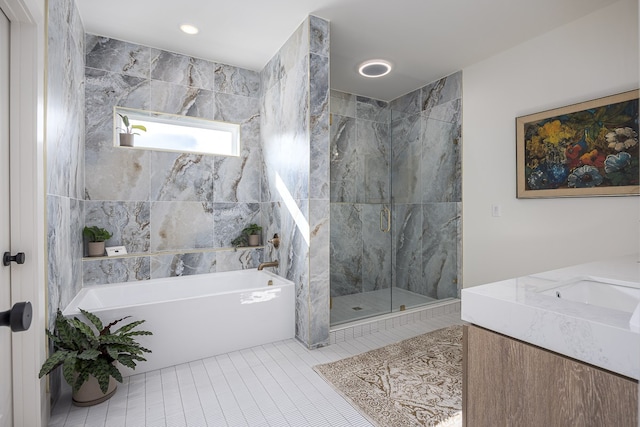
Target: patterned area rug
416	382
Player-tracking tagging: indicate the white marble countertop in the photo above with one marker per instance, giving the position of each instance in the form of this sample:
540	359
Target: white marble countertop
593	334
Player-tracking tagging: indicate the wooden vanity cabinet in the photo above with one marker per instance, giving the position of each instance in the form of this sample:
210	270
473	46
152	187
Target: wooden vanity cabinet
507	382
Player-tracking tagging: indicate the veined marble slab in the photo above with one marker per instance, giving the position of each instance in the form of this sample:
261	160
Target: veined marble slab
597	335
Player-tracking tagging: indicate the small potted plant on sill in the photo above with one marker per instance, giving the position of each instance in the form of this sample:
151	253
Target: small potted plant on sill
127	133
89	354
253	234
96	237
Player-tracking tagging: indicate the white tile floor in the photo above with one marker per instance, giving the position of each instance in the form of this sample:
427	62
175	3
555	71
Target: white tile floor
269	385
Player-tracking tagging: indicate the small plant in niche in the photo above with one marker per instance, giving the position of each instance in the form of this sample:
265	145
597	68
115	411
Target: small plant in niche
128	127
127	133
239	241
91	350
96	237
96	234
253	234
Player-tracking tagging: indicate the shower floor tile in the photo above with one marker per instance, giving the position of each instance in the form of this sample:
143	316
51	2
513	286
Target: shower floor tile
348	308
268	385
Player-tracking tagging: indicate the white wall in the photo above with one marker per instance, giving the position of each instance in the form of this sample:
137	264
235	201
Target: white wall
589	58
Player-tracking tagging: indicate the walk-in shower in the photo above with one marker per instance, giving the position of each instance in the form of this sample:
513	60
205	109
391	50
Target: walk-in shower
395	200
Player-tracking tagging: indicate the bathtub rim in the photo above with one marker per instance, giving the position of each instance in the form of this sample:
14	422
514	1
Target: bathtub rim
72	309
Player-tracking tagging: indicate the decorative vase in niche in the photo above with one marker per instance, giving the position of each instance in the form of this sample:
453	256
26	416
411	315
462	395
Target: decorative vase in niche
96	248
90	394
126	139
254	239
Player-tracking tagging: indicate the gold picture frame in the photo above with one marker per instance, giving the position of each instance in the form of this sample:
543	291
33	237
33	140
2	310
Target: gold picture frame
585	149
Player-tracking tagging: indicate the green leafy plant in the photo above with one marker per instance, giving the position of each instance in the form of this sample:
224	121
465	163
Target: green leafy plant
239	241
252	229
96	234
85	349
128	128
243	238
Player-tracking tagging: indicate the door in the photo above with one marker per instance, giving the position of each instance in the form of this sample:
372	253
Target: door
6	412
360	211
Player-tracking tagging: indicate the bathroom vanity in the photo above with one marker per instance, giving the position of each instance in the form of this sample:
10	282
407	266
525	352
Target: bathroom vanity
557	348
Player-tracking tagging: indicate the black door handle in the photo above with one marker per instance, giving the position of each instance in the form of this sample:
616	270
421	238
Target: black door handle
18	258
18	318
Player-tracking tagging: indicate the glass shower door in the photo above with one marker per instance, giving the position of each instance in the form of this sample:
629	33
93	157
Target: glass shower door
360	253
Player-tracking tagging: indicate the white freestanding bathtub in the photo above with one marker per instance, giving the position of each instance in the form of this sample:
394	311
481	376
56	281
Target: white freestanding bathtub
194	317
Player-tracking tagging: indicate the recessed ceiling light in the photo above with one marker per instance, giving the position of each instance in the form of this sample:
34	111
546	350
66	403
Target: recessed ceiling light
189	29
375	68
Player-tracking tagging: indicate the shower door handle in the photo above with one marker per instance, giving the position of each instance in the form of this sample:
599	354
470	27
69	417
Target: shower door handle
385	213
388	219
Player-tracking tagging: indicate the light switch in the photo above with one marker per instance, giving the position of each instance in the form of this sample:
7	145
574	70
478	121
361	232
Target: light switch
496	210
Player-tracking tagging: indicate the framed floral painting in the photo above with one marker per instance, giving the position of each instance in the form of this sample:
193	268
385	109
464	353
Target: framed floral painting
586	149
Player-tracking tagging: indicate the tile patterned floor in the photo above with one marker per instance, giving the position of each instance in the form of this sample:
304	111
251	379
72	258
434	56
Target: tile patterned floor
270	385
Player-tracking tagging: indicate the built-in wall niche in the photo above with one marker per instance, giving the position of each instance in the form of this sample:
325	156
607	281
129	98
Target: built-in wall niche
150	130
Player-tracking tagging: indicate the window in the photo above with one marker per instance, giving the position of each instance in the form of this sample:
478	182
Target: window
171	132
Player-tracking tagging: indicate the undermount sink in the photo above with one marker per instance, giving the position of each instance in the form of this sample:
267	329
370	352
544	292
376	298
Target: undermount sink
587	290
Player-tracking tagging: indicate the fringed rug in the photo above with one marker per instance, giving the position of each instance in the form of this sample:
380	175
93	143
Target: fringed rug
416	382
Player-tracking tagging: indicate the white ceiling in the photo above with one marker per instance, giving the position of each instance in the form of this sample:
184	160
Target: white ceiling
424	39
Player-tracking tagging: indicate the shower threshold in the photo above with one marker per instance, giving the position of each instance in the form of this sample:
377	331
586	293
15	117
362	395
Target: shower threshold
356	307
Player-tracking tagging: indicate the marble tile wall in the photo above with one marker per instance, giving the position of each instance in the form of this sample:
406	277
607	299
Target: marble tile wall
295	137
176	213
406	152
64	159
319	183
426	188
360	166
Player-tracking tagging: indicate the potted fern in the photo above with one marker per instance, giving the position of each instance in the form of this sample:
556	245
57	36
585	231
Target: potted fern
89	354
253	234
127	133
96	237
